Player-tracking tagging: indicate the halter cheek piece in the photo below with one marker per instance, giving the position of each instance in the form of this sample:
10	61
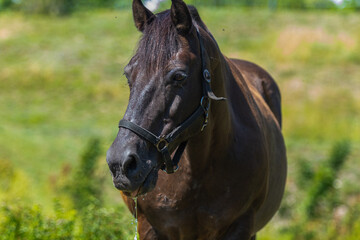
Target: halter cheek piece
164	143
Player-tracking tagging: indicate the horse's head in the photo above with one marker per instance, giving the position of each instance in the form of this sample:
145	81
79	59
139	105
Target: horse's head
166	87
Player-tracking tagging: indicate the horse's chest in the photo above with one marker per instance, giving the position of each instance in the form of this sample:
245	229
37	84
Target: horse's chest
198	210
188	219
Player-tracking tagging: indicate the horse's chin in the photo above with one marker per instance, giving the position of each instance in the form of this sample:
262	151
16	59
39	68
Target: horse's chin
147	186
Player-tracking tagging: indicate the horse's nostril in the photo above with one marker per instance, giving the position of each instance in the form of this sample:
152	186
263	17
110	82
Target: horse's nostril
114	169
131	164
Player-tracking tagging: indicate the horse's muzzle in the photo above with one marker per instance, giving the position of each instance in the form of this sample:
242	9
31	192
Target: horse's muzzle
129	173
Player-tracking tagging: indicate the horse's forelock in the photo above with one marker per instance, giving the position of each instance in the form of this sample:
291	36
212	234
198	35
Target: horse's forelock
160	41
158	44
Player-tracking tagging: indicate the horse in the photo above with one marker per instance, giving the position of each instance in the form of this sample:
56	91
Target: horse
200	143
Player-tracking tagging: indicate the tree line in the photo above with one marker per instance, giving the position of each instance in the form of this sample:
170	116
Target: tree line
292	4
66	7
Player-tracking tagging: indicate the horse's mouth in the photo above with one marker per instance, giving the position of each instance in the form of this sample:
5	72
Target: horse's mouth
146	186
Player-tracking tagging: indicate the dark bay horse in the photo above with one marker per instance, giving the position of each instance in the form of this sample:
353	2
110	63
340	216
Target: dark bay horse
214	121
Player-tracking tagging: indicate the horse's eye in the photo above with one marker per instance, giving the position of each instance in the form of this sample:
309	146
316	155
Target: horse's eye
179	77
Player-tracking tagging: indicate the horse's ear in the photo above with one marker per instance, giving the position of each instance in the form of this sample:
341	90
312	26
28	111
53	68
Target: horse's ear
141	15
181	17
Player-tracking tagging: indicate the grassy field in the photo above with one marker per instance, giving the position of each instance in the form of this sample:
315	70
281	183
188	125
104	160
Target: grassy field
61	84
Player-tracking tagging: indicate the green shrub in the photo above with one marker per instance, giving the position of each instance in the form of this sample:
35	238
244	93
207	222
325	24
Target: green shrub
7	174
85	187
14	183
104	223
65	7
5	4
48	7
22	222
325	177
314	216
28	223
99	3
305	173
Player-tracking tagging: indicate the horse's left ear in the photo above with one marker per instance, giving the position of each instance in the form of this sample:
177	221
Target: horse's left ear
181	17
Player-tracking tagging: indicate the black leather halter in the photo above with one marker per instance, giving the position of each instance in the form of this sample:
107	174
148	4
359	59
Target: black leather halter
164	143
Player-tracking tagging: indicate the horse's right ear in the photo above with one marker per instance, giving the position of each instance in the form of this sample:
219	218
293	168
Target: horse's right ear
141	15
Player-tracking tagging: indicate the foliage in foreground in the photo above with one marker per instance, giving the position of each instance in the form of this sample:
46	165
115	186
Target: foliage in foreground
321	213
91	220
30	223
84	183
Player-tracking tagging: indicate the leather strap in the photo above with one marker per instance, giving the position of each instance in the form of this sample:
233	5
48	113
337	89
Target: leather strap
147	135
207	91
171	165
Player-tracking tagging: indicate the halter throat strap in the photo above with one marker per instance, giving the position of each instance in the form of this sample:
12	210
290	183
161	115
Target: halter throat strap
169	141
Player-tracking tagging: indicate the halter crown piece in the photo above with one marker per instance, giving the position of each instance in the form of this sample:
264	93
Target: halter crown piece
163	143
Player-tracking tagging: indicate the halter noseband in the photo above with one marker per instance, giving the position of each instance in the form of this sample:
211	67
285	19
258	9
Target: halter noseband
163	143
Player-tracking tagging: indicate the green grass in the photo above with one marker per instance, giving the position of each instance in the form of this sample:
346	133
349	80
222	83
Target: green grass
61	83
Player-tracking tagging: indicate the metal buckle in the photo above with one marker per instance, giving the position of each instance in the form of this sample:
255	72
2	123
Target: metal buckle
205	104
205	122
160	142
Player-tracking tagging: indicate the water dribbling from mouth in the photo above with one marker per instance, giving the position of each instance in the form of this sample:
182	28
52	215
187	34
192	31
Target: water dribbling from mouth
136	219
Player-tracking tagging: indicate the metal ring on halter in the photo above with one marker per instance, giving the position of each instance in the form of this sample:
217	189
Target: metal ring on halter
162	141
176	167
207	75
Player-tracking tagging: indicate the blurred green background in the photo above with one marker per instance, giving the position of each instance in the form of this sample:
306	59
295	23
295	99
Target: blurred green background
62	93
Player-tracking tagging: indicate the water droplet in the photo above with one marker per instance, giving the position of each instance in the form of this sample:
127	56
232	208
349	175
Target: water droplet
136	220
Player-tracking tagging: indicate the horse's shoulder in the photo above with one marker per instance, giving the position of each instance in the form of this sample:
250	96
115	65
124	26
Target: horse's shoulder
261	82
247	66
255	75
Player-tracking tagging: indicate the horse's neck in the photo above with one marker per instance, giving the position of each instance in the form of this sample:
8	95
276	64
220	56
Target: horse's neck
213	142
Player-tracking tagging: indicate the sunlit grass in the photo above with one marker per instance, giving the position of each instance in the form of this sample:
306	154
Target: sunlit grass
61	83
